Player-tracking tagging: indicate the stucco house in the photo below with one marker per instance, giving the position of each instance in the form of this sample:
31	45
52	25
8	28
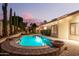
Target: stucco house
63	27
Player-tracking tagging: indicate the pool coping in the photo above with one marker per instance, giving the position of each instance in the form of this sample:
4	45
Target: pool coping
21	51
7	46
15	44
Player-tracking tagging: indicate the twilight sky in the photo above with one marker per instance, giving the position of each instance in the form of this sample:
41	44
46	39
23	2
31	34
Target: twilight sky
41	11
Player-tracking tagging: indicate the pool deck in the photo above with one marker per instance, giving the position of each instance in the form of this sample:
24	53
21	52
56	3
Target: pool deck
72	47
3	39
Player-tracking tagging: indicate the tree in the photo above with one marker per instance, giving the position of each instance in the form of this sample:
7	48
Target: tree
10	20
45	21
25	24
14	20
33	27
17	21
4	9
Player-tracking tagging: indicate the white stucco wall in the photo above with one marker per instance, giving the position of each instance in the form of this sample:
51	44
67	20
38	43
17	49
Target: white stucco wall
75	20
64	26
63	30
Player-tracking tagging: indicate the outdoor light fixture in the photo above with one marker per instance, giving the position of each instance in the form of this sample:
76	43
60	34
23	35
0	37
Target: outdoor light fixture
45	28
60	20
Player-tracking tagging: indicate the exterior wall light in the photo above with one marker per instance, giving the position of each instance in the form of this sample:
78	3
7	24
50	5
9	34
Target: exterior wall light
45	28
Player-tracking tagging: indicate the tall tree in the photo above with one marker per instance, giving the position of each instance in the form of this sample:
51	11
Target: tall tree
4	9
33	27
10	20
45	21
14	23
18	22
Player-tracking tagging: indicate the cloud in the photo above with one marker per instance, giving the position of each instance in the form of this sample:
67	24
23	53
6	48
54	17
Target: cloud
27	15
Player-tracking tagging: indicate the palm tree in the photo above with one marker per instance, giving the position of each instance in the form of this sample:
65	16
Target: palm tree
10	20
4	9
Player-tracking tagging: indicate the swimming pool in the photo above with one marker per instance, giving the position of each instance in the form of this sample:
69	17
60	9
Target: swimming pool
31	45
35	40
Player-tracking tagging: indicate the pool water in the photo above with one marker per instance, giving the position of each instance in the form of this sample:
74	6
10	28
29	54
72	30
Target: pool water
35	41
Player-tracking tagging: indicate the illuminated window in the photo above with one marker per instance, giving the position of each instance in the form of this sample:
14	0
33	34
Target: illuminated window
45	28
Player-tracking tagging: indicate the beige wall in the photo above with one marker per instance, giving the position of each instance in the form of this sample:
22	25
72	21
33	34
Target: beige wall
64	26
63	30
75	20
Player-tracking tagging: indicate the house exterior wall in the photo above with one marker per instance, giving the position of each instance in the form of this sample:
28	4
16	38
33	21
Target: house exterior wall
64	26
63	30
75	20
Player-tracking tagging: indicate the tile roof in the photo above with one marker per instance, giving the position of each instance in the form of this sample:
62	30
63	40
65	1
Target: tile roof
64	16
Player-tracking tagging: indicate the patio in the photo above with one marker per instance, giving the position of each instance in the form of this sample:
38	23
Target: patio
73	48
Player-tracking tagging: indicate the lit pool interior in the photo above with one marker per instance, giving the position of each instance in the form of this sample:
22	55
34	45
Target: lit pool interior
35	40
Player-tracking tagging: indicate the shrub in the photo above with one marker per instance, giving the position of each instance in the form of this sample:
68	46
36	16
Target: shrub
46	32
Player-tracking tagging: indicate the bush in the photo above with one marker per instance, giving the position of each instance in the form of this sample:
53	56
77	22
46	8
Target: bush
46	32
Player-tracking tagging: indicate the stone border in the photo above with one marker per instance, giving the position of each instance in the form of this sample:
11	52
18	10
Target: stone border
14	43
22	51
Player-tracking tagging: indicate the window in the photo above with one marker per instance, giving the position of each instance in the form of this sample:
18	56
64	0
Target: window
54	30
77	29
74	28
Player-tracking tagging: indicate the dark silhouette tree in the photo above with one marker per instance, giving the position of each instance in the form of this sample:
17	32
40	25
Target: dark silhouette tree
18	22
25	24
4	9
14	20
33	27
45	21
10	20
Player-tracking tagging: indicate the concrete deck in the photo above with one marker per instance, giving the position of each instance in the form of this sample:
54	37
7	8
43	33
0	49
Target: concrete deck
3	39
72	47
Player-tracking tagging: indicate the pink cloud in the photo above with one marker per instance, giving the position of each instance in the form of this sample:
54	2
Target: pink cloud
27	15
